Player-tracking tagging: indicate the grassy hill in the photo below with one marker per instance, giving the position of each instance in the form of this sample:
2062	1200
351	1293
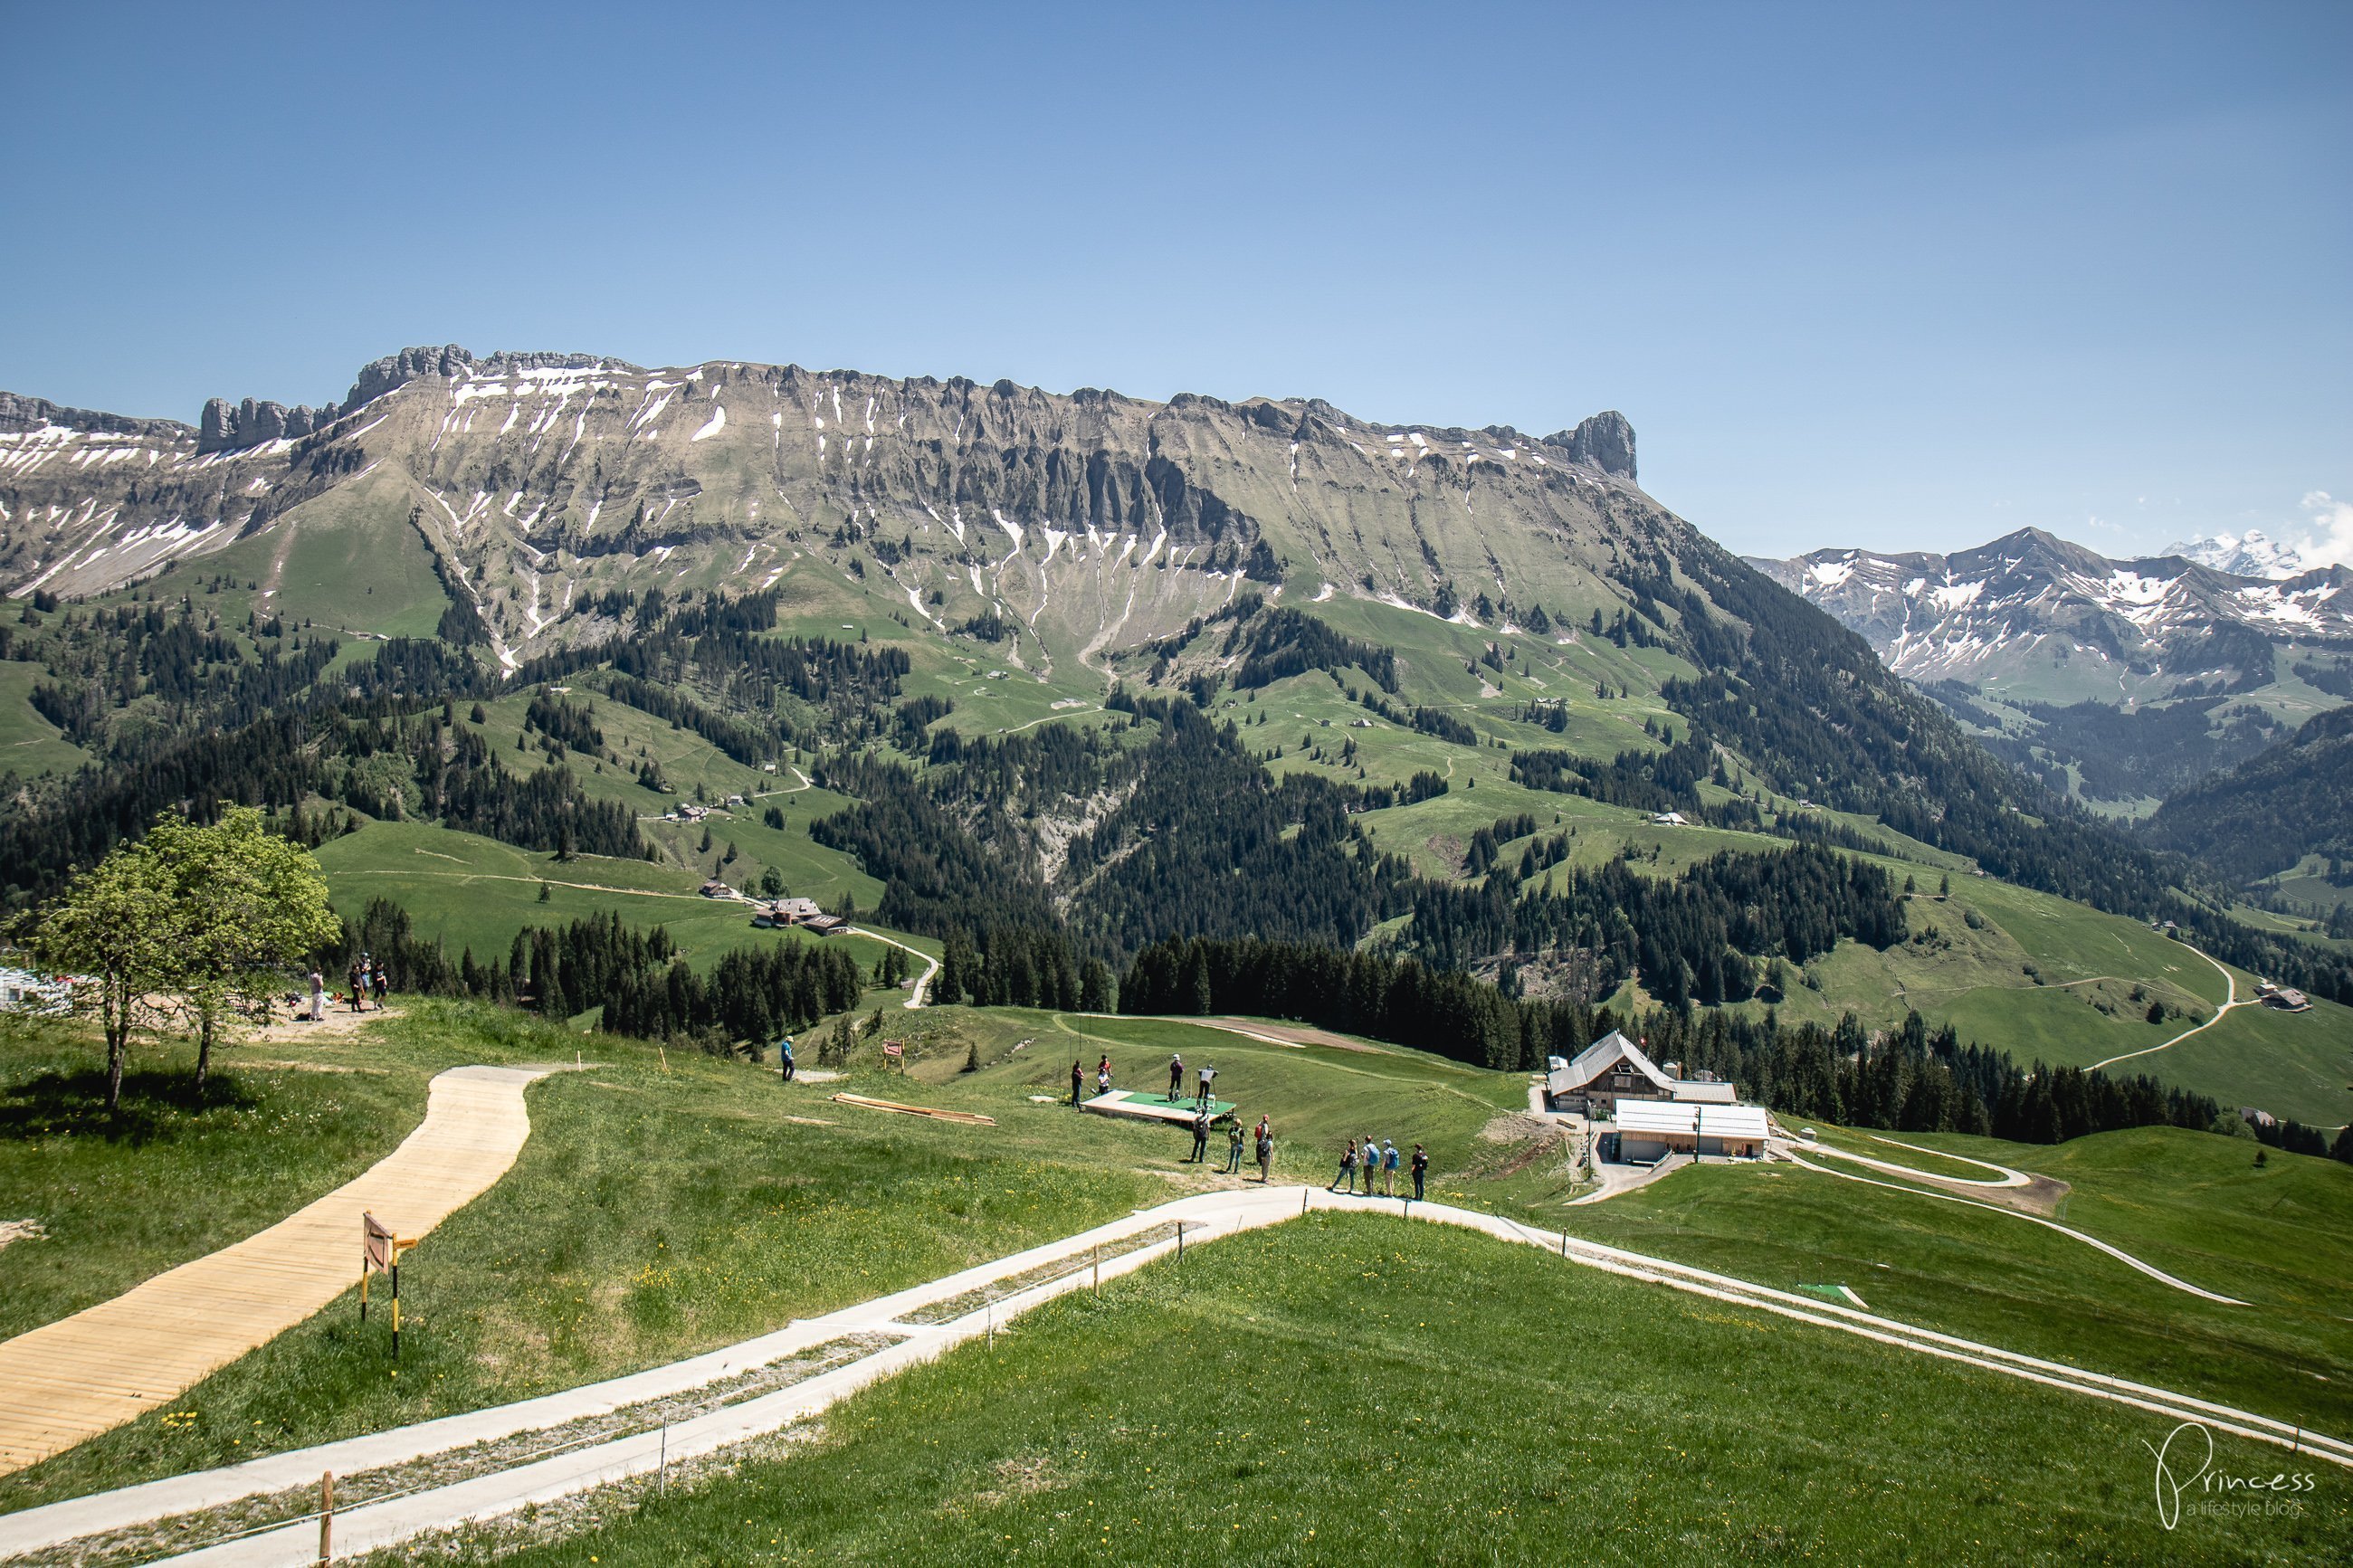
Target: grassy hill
1346	1389
2279	1237
670	1203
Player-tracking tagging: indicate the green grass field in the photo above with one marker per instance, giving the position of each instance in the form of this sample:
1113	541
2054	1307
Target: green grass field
347	562
29	744
467	891
1349	1389
2279	1237
172	1179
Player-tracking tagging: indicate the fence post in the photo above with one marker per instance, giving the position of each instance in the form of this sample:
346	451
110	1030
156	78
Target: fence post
326	1515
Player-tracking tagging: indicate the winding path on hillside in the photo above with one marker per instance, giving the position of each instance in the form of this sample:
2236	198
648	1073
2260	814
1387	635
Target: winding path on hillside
2230	1000
83	1375
909	1319
922	982
2119	1254
2003	1175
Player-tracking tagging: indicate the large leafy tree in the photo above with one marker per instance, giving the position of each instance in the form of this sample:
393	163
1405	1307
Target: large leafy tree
117	924
248	903
191	919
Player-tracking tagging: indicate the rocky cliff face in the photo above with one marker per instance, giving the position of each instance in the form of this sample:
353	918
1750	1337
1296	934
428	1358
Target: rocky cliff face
1090	520
24	416
1605	442
224	428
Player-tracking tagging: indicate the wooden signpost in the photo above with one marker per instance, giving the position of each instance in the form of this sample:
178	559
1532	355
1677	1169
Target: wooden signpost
380	1252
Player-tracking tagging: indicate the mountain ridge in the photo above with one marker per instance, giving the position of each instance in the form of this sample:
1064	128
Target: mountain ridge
520	468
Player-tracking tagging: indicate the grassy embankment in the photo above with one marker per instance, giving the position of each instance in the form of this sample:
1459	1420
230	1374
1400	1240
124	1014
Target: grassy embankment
1345	1390
2277	1237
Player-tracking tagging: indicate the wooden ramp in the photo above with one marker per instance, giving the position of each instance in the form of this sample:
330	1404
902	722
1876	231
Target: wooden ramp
71	1380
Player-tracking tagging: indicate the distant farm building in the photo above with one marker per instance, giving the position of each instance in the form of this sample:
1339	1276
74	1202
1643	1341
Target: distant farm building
2287	998
1670	819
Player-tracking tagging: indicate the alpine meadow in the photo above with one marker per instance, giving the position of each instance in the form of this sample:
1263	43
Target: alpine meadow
722	963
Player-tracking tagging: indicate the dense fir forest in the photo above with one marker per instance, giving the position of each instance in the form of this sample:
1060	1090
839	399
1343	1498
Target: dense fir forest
2266	814
1693	938
751	995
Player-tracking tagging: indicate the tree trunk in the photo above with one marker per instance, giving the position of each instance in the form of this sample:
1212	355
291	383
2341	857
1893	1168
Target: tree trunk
115	999
204	1051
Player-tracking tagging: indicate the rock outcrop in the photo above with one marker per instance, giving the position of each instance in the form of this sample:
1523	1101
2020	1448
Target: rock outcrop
39	413
223	428
226	428
1605	442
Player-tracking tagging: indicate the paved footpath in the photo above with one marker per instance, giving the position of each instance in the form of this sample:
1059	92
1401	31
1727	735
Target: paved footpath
72	1379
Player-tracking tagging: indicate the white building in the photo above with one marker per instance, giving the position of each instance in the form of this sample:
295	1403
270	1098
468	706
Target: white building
1652	1130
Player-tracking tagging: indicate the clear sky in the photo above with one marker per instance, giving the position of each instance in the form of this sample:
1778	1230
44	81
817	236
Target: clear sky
1885	275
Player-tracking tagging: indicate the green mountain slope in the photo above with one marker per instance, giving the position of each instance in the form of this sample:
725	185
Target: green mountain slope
1077	669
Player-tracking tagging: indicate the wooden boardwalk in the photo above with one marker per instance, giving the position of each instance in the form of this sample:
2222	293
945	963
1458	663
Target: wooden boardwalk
71	1380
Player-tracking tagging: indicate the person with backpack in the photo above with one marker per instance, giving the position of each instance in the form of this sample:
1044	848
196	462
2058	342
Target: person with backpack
1265	1151
785	1058
1389	1169
1201	1137
1347	1176
1233	1148
1372	1164
381	984
1421	1166
355	976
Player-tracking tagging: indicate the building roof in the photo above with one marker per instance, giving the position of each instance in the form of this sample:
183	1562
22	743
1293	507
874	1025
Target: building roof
1654	1117
1732	1122
1700	1092
1601	1056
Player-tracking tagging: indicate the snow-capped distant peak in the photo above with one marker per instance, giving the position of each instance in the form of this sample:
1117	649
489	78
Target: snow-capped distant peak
2251	554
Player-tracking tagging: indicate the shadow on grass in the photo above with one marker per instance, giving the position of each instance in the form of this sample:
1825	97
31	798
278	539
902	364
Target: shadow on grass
155	1106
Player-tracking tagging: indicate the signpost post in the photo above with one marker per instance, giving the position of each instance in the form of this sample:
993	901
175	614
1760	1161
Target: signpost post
380	1254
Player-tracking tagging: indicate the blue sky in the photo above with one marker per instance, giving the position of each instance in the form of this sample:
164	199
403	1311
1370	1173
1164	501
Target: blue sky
1887	276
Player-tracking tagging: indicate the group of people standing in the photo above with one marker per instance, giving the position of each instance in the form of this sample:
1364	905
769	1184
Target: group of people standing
1261	1140
366	976
1379	1158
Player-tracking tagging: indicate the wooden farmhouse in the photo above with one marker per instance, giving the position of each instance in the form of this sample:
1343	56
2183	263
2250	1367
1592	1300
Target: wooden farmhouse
1612	1069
